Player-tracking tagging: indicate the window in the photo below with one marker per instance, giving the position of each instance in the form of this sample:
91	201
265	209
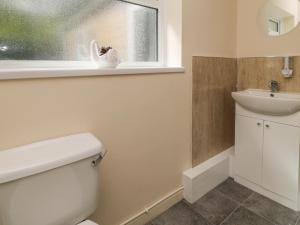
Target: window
61	30
274	26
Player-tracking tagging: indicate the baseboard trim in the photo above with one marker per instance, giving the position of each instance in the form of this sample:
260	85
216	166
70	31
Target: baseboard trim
203	178
155	209
199	180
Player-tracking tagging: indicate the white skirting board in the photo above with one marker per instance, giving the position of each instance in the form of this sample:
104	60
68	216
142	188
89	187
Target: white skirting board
155	209
196	183
203	178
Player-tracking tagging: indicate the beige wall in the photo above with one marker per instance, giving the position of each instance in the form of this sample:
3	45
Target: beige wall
143	120
209	28
134	116
251	39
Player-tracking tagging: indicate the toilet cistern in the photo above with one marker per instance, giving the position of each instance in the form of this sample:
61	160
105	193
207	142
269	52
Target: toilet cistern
53	182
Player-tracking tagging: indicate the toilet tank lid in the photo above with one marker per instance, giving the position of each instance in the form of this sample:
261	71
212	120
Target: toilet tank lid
42	156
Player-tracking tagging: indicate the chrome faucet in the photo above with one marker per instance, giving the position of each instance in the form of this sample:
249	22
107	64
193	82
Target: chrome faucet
274	86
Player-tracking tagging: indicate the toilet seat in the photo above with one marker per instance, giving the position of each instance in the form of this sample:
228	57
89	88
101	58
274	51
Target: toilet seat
88	222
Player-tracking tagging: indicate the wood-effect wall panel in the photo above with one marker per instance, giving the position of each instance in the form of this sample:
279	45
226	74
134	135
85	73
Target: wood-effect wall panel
213	107
257	73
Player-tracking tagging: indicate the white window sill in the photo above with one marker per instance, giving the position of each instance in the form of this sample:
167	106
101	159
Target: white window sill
7	74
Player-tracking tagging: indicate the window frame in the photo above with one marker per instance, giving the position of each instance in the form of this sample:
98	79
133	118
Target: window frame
31	69
278	24
161	62
64	64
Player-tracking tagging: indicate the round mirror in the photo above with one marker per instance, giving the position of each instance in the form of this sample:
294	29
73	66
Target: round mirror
281	16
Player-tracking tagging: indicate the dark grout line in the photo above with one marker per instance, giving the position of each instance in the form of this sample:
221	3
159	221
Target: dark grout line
227	218
297	220
243	202
267	219
186	202
240	204
197	213
270	221
243	205
228	197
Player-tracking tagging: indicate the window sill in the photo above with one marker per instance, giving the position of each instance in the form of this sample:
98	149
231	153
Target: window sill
7	74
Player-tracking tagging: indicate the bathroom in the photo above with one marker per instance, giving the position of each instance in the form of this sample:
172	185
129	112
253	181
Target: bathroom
158	112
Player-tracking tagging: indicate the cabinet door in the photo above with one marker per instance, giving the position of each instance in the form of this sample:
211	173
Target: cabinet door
281	159
248	148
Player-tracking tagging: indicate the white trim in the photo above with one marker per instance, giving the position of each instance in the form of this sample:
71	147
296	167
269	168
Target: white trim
155	209
8	74
259	189
44	64
158	5
40	64
203	178
161	26
140	64
19	69
148	3
231	162
161	34
278	22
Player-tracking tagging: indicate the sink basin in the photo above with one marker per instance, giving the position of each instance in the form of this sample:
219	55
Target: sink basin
265	102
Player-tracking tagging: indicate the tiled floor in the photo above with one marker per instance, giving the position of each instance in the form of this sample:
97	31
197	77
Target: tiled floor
229	204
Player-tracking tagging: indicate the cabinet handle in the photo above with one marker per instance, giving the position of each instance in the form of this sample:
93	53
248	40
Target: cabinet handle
267	126
258	124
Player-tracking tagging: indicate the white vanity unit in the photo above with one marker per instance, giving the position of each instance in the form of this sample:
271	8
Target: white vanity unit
267	144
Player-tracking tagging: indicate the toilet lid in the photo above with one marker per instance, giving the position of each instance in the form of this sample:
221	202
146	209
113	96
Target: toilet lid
87	222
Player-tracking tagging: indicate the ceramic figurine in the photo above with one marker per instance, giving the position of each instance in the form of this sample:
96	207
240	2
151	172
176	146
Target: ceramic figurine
104	57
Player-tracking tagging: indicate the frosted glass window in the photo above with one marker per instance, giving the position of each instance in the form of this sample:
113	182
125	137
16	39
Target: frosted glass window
63	29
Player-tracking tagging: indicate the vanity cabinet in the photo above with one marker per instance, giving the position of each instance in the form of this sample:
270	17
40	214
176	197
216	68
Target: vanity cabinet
248	148
267	155
267	144
280	167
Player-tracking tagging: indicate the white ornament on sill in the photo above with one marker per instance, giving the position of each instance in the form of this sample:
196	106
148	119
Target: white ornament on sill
110	59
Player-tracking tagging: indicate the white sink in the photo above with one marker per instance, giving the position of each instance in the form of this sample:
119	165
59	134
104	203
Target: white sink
265	102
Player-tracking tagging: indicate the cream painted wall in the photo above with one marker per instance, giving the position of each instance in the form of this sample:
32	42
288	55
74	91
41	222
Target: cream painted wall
209	28
143	120
251	38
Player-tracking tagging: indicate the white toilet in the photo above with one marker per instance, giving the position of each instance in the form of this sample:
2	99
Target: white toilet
53	182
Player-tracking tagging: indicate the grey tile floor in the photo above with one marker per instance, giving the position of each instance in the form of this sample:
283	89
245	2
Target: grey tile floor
229	204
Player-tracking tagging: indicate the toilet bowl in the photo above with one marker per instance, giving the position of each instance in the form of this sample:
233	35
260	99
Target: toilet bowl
51	182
